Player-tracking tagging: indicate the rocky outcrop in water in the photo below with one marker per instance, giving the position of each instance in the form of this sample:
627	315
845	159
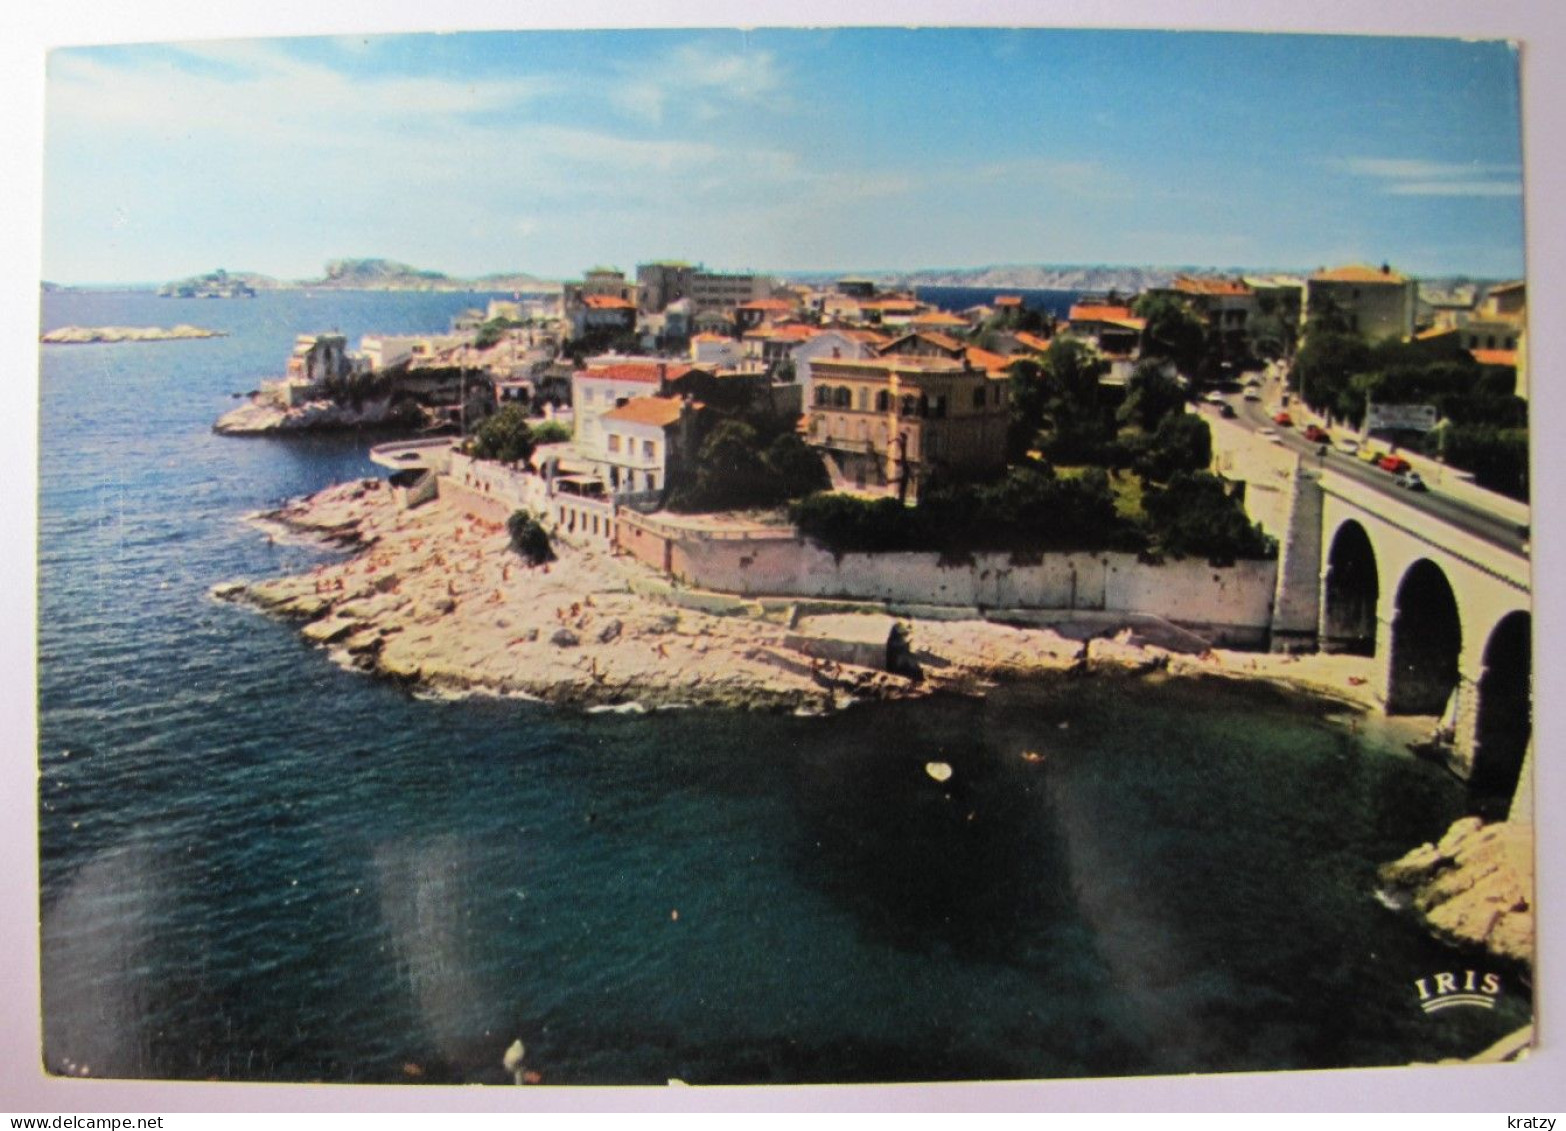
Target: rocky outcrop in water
86	335
258	417
1474	887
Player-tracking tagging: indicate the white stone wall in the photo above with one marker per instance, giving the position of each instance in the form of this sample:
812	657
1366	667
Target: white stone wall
1188	592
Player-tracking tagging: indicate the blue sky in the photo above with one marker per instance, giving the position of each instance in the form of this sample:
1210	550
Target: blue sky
548	152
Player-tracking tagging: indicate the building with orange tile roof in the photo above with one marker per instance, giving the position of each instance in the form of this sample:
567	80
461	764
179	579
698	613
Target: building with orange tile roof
645	439
1226	306
1377	302
889	422
601	387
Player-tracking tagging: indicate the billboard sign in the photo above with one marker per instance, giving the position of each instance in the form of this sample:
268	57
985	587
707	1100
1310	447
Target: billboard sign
1400	417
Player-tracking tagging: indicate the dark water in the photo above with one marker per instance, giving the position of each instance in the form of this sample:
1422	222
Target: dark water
1053	302
257	866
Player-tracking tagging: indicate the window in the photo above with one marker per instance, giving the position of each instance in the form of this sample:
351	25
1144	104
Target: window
614	443
883	401
909	406
842	398
649	449
823	396
978	397
863	398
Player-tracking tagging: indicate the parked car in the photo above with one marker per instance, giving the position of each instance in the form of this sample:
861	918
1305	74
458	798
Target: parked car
1370	455
1213	398
1412	481
1283	420
1317	435
1397	465
1226	411
1348	447
1252	395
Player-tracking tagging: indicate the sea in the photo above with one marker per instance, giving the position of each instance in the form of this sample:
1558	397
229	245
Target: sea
1055	302
257	866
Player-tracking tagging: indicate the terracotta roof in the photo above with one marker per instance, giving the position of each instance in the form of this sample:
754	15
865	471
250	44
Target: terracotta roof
711	338
1506	288
788	332
1208	285
986	360
1357	273
897	362
1032	341
1008	300
607	302
1099	313
1434	332
766	304
658	411
645	371
939	318
1495	357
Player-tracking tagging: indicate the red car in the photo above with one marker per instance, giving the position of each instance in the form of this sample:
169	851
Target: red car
1395	464
1283	420
1317	435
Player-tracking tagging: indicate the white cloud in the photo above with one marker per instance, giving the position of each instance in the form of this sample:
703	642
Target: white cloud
1400	176
697	82
1456	188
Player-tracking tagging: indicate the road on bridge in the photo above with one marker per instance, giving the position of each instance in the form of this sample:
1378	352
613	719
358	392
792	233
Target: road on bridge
1496	529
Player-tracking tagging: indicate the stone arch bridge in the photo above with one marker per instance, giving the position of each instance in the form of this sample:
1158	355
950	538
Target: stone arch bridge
1446	612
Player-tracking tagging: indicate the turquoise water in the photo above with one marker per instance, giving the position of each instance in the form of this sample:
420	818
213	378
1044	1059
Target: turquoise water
258	866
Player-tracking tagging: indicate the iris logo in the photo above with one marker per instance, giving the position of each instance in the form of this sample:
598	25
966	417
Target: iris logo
1445	991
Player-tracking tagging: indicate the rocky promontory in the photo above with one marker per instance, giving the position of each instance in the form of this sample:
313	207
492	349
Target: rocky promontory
264	416
435	597
83	335
1474	887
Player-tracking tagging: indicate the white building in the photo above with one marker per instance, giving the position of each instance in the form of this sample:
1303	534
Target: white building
833	345
600	389
643	440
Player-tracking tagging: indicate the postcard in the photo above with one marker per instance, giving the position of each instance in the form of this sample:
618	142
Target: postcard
784	556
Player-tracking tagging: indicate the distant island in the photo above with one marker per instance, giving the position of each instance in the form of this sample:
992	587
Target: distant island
84	335
214	284
348	275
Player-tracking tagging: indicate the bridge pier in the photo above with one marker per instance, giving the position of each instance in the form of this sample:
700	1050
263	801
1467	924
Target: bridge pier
1296	609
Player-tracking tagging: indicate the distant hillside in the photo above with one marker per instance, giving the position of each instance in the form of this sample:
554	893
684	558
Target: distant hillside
219	284
389	275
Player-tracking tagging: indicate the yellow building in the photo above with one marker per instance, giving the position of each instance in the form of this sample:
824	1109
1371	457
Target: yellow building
881	421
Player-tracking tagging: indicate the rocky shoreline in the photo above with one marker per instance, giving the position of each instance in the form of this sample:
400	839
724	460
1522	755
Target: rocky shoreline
90	335
1472	888
260	418
435	598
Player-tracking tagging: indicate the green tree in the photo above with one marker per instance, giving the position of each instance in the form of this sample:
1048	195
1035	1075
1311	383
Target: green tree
1182	443
1151	395
1325	316
1173	332
505	436
551	432
1197	515
529	538
796	468
729	472
1324	372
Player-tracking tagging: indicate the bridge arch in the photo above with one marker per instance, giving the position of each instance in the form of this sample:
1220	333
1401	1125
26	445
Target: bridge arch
1504	722
1427	641
1350	593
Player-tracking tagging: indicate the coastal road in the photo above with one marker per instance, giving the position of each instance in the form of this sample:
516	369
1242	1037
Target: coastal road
1496	529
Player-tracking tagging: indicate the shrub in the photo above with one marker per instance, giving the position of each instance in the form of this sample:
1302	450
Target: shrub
505	436
551	432
1197	515
529	538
